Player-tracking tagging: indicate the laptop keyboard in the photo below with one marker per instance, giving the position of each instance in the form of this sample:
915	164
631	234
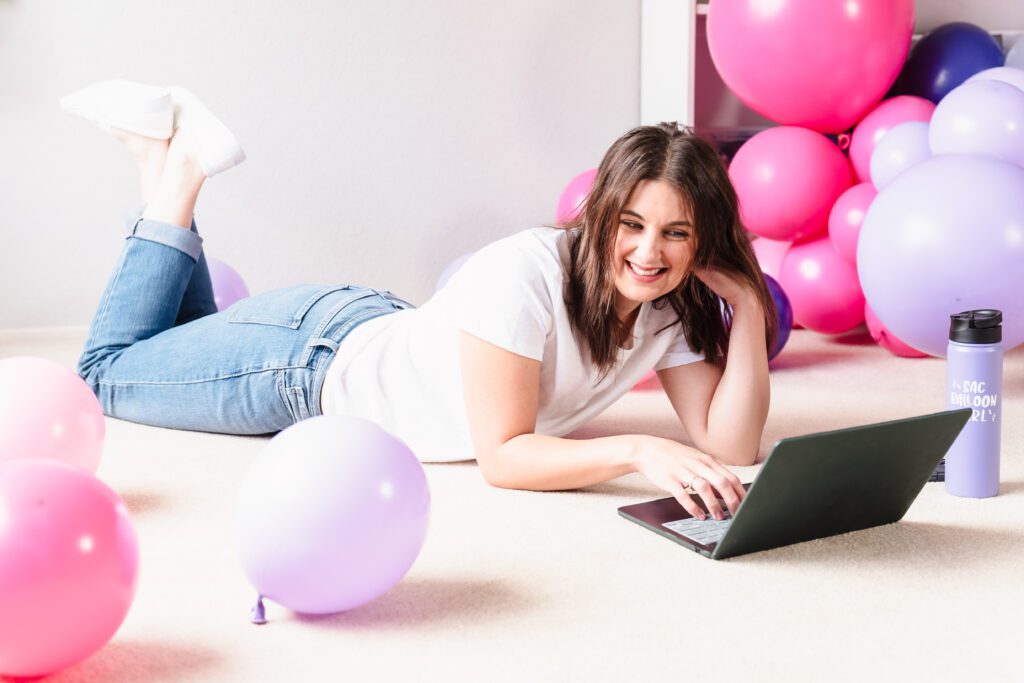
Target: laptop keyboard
706	532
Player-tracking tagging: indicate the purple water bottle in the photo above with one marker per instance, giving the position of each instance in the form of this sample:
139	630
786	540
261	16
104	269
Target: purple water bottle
974	379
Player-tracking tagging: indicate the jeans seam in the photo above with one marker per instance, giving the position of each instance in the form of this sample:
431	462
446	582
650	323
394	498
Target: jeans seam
200	381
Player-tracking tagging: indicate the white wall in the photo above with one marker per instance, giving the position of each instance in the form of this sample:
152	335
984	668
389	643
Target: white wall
384	137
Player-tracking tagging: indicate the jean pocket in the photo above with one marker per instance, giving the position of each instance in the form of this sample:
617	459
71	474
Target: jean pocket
282	307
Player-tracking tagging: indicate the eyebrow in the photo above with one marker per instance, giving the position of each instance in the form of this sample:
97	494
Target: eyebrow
634	213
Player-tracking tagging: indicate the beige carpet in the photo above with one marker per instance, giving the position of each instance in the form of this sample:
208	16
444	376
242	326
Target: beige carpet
530	586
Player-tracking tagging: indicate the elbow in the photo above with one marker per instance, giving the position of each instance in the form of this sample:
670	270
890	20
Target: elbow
491	469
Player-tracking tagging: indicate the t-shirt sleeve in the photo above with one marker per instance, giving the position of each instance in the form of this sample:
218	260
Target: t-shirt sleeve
503	298
678	352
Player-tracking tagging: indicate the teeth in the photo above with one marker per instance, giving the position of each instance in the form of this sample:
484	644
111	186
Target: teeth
646	272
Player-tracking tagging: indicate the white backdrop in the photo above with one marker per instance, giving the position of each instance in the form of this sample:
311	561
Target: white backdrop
384	138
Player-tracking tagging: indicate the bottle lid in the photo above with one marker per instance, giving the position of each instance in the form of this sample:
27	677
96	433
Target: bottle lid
976	327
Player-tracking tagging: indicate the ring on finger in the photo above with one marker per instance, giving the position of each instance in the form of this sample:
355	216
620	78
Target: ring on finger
688	486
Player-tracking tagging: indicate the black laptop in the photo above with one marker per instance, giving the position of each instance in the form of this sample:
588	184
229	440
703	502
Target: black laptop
815	486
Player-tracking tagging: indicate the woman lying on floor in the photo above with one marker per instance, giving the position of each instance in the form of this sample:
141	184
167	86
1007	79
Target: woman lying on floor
535	335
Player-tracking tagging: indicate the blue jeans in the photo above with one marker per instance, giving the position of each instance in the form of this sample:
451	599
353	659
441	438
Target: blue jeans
159	353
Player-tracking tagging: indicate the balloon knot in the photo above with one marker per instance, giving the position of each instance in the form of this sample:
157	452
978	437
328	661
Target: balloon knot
843	140
258	614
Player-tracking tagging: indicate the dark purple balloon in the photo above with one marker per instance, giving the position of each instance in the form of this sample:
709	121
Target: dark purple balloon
785	314
946	57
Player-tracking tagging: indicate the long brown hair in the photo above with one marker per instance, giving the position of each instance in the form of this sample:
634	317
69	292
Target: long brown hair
674	155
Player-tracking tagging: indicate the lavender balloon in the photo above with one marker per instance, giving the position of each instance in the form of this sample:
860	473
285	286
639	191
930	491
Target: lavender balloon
945	236
902	147
1006	74
1015	55
331	515
980	117
451	269
228	285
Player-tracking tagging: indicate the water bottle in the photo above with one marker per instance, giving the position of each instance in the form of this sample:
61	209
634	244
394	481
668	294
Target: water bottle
974	379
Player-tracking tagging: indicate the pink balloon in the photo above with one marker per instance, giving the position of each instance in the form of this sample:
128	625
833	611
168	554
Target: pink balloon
874	126
846	218
769	254
787	180
886	339
47	411
648	382
228	285
574	195
822	287
810	63
68	564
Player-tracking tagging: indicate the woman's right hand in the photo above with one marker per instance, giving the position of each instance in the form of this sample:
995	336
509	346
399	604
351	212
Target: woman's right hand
672	466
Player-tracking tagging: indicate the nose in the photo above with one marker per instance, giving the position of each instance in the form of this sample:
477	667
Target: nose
649	247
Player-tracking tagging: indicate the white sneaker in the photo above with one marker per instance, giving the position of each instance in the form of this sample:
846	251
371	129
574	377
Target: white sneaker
215	146
134	107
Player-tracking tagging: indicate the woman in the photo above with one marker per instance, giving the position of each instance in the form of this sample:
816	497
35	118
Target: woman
535	335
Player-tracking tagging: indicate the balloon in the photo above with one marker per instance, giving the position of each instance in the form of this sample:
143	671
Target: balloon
985	118
451	269
68	564
847	215
570	203
822	287
946	57
331	514
787	180
899	149
228	285
880	121
47	411
785	315
769	254
945	236
821	65
886	339
1006	74
1015	55
647	382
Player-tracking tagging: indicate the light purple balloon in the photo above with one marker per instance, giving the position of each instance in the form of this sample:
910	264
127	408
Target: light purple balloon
451	269
228	285
1015	55
945	236
902	147
985	118
1006	74
331	514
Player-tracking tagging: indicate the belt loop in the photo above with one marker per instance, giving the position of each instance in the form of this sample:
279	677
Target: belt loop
323	341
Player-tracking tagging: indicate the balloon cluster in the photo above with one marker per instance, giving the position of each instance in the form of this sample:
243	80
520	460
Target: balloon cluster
921	218
68	552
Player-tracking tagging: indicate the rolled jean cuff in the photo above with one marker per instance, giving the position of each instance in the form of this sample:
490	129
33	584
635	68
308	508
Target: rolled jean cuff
173	236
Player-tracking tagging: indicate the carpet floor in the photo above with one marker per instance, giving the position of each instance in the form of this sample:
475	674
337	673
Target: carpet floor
516	586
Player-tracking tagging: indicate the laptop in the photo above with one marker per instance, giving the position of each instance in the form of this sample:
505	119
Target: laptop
815	486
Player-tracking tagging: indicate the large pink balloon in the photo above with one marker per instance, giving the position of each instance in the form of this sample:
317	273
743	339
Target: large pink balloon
874	126
821	64
822	287
68	561
846	218
886	339
47	411
787	180
331	514
570	203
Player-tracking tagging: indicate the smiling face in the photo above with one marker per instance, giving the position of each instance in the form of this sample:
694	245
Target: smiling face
654	245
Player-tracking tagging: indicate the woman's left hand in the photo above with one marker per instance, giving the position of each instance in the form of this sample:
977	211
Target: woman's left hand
726	285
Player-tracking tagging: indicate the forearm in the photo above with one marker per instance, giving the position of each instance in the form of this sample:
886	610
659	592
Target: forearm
739	407
547	463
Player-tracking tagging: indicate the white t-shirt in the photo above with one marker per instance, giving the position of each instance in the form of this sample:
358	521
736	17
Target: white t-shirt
403	372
